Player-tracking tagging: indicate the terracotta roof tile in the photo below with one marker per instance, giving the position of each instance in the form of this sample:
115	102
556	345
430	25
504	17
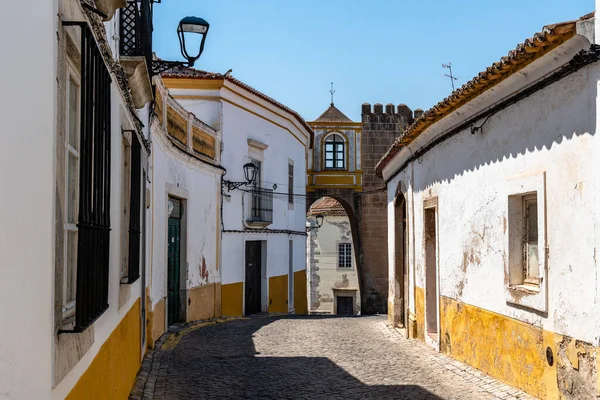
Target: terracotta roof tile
327	206
524	54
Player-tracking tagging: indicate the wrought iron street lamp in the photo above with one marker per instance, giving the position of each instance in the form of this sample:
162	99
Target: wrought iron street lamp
188	27
319	223
250	175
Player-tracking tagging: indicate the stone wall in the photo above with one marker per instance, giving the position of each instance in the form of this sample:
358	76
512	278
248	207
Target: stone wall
380	128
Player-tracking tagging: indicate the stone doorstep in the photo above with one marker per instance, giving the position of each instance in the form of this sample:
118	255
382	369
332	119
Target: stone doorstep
490	385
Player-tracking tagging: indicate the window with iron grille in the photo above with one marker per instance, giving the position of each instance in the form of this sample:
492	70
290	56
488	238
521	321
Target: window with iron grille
290	183
88	190
334	152
344	255
136	29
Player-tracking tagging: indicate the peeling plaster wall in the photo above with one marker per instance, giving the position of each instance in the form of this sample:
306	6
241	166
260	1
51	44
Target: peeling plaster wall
181	176
325	276
551	131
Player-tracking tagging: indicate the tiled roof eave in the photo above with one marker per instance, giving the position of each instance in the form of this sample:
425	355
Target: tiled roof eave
197	74
524	54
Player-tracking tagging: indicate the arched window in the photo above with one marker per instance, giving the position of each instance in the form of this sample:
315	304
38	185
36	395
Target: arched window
335	155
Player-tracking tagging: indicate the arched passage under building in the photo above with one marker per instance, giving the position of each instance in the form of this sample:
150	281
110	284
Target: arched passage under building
333	270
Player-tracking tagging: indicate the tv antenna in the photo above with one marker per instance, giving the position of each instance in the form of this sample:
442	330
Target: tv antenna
332	93
452	77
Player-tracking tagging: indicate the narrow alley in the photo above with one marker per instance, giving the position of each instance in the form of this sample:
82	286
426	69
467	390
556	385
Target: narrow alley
302	357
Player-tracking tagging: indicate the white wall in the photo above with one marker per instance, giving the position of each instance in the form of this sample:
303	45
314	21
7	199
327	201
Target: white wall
27	137
180	175
239	126
551	131
325	274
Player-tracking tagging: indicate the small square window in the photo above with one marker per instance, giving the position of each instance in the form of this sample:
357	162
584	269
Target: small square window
344	255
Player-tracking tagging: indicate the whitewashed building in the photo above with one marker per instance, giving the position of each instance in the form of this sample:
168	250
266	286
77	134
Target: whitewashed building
259	229
186	181
331	261
493	217
74	158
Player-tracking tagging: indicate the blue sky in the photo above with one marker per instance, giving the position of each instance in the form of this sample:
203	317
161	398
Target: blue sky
376	51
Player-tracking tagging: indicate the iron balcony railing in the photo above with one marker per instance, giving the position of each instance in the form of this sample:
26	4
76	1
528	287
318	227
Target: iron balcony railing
136	29
261	206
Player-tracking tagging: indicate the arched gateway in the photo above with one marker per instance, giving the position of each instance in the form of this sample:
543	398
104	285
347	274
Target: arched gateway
341	165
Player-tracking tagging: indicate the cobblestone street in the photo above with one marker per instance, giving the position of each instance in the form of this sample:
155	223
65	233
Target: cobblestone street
293	357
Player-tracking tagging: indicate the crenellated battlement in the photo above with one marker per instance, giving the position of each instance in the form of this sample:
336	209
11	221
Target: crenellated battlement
389	118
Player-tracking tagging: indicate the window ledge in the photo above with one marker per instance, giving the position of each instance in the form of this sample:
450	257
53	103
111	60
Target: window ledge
526	288
129	280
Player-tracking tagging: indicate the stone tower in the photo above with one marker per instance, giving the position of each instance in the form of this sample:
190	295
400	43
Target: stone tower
379	129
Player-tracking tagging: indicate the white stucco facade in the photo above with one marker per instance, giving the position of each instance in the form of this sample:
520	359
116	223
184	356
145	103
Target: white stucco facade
254	129
543	145
328	276
39	359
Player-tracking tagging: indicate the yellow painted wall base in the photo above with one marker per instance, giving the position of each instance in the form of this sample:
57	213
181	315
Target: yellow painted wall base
201	303
278	294
112	372
232	299
300	293
218	308
420	312
391	312
509	350
156	323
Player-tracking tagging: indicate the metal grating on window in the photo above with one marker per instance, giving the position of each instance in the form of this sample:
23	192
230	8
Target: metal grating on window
136	29
130	33
344	255
94	181
262	205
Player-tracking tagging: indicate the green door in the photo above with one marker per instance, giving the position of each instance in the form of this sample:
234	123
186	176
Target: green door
173	259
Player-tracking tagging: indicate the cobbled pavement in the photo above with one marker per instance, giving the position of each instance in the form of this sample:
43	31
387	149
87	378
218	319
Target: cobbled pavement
307	357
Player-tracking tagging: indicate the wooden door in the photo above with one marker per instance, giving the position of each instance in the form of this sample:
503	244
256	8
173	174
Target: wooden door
345	305
253	277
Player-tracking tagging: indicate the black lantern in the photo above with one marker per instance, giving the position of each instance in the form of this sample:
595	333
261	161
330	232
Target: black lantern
250	172
192	26
188	27
319	218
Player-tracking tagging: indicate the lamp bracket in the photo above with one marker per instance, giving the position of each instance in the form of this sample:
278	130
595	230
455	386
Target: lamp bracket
160	66
233	185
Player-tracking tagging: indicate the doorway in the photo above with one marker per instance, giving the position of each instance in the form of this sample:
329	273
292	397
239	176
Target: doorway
253	285
431	302
401	262
345	305
174	261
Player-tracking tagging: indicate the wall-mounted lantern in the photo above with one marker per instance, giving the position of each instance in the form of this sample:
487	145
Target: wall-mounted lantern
250	175
192	26
319	223
188	27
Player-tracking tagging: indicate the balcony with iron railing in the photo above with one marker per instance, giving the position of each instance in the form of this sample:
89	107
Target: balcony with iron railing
135	48
260	213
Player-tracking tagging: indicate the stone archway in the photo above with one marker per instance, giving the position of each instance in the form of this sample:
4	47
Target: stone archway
352	203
